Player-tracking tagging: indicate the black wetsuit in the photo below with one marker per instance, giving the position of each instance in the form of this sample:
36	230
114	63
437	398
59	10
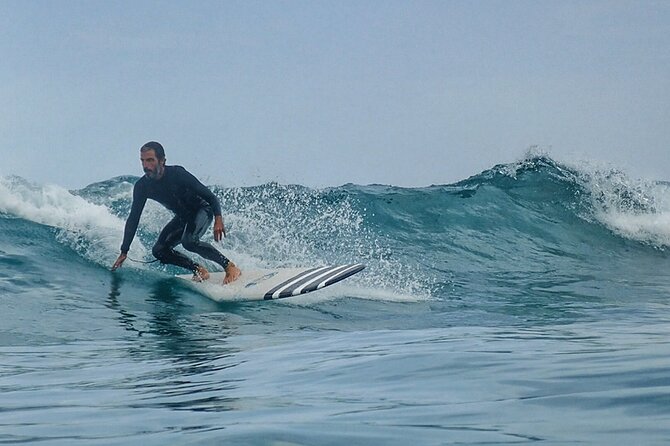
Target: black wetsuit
193	204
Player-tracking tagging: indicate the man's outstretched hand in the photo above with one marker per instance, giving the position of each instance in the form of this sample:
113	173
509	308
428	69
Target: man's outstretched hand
119	261
219	228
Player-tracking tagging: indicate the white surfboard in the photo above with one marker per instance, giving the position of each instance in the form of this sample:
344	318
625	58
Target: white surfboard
271	284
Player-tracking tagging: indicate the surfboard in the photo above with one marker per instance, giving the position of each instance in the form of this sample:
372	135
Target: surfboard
268	284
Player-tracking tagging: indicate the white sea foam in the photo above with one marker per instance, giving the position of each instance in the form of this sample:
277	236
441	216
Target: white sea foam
88	228
283	226
637	209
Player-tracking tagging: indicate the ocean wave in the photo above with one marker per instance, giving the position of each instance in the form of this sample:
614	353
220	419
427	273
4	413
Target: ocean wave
535	215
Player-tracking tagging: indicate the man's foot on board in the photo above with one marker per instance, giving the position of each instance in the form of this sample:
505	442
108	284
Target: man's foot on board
232	273
200	274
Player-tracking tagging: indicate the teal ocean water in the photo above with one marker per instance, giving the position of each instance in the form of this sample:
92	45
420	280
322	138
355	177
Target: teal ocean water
527	304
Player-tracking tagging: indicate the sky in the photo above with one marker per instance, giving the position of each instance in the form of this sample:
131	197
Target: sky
323	93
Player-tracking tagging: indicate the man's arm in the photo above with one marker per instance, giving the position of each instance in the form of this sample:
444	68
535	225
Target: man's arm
139	200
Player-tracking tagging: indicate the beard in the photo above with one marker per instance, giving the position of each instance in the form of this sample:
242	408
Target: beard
154	173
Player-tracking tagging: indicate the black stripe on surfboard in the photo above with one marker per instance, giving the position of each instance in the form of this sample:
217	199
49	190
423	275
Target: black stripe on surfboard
292	280
344	274
317	280
296	288
298	281
334	278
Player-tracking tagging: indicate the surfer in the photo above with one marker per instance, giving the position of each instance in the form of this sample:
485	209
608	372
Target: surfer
194	207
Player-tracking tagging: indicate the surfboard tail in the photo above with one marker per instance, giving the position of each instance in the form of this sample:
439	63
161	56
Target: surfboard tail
313	280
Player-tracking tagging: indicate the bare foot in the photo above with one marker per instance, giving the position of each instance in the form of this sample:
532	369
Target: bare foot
200	274
232	273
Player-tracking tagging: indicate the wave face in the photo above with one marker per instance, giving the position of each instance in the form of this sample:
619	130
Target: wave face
510	227
487	307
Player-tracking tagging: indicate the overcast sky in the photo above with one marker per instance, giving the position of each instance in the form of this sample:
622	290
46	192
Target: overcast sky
323	93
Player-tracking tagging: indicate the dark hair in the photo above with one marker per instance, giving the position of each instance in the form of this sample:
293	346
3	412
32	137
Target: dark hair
156	147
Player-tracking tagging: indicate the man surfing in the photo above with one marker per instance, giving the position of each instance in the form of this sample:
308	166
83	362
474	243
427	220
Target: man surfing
194	206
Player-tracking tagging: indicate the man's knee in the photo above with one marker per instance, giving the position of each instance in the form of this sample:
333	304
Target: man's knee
159	251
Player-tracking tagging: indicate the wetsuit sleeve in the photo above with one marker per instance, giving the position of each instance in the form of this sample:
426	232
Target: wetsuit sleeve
201	190
139	200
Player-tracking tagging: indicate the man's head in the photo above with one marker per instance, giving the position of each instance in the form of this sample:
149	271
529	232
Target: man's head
152	156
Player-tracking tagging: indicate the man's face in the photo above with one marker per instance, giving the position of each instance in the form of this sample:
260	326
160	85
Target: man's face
151	165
